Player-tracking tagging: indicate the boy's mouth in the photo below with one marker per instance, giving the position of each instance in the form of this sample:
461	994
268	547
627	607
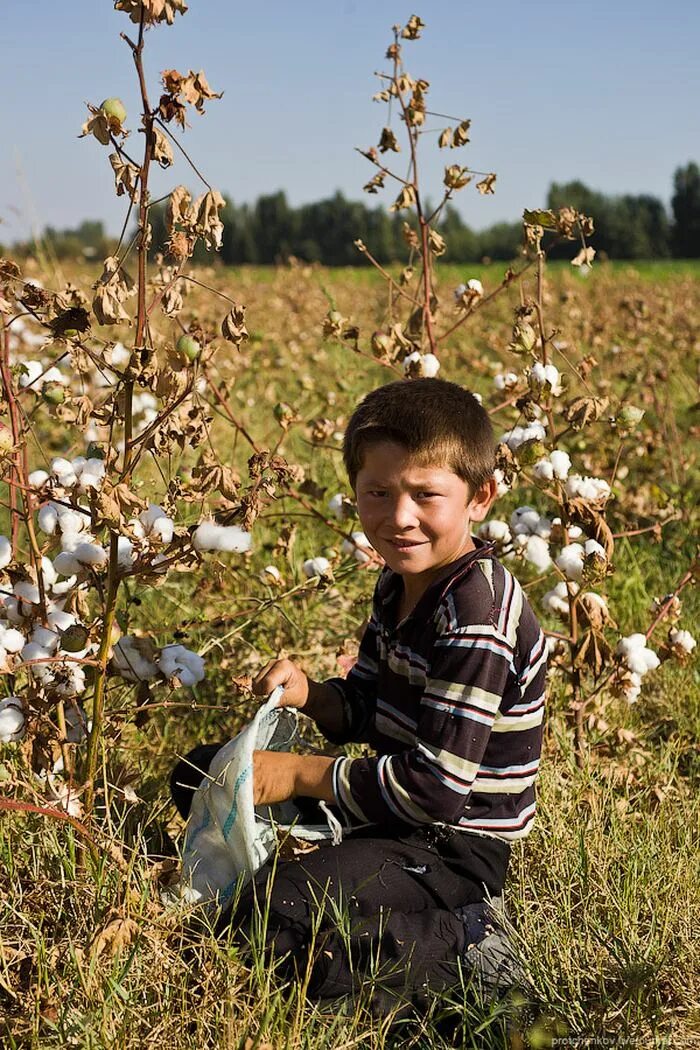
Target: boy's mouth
406	544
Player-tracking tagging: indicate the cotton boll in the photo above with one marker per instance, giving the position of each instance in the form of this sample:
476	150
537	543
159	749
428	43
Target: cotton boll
273	572
213	537
543	470
48	573
54	375
536	551
131	658
13	609
71	521
570	561
630	644
118	355
358	540
65	586
77	725
60	620
593	547
149	517
45	638
557	600
679	639
5	552
12	640
430	366
639	661
411	359
47	518
502	486
63	470
88	481
316	567
561	464
32	371
90	554
524	520
505	380
175	661
125	552
594	489
38	478
67	564
163	529
27	592
12	722
495	532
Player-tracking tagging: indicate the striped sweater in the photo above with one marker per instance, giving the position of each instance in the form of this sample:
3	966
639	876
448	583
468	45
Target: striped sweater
451	700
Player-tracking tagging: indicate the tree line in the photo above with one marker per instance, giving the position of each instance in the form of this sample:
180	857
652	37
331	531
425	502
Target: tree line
271	230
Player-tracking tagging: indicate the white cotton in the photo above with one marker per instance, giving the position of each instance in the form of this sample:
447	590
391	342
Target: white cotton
341	506
90	554
54	375
682	639
212	537
67	564
430	366
358	540
131	663
632	687
72	521
637	657
125	552
33	370
592	547
495	531
543	470
13	609
536	551
561	464
12	640
316	567
592	598
38	478
88	480
175	661
505	380
5	552
520	435
59	589
570	561
502	486
60	620
47	518
12	722
163	529
587	488
541	376
118	355
45	638
474	285
273	571
557	600
48	573
27	592
411	359
526	521
63	470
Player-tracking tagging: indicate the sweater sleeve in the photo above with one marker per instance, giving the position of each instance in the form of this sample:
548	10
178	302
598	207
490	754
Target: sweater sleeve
431	781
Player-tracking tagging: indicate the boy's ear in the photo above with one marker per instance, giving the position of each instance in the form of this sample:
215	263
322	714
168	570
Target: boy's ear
480	503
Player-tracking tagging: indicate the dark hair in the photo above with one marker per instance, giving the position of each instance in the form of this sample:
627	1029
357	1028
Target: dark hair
437	422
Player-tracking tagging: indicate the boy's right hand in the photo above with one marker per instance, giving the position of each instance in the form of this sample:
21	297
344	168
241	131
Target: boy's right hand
287	674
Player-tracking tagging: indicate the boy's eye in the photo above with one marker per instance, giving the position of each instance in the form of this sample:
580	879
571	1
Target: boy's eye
427	495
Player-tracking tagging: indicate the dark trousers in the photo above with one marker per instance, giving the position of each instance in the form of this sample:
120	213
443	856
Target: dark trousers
379	906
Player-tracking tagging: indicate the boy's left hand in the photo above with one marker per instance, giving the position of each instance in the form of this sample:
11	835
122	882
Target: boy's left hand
278	775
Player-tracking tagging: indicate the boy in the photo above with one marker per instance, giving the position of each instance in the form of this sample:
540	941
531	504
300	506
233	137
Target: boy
448	690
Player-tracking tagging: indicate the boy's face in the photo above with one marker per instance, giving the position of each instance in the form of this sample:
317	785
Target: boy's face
418	518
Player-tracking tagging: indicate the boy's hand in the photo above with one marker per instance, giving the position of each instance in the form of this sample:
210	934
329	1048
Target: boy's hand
287	674
278	776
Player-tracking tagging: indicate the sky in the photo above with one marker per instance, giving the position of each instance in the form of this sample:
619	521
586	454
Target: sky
606	91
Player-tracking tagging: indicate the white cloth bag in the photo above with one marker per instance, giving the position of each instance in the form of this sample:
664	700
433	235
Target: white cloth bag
227	839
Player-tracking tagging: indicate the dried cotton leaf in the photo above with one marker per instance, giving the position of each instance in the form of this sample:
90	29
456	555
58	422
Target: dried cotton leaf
233	325
113	288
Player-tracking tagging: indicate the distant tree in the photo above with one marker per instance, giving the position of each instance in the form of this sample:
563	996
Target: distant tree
685	204
627	227
501	241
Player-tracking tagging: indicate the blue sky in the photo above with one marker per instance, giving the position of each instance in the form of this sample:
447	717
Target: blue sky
606	91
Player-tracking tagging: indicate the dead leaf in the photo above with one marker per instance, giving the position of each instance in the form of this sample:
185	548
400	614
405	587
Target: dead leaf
117	934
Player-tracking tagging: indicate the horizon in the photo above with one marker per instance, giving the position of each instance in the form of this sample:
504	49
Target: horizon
300	99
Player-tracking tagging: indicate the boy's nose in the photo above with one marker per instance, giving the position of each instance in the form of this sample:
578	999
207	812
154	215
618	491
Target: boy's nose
404	513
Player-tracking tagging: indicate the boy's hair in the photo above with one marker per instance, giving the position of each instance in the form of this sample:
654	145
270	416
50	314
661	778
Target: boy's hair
437	422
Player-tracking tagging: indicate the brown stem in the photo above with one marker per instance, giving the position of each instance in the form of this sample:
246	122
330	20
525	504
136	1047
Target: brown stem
669	601
16	436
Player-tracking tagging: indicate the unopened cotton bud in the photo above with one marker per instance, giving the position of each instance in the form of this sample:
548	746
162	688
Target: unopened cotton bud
12	723
316	567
